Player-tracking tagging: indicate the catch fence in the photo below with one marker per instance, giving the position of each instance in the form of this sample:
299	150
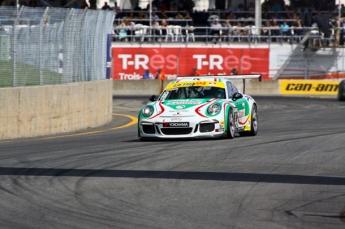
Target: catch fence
40	46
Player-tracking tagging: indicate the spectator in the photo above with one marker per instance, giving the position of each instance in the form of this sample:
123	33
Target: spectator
227	28
154	15
130	28
180	6
173	7
187	15
196	72
106	6
276	14
276	6
116	8
240	11
179	15
231	16
298	28
189	21
275	31
215	30
223	15
160	75
342	10
156	31
164	15
164	27
163	6
146	75
285	28
342	31
251	9
295	15
288	14
142	18
122	31
230	8
266	30
234	71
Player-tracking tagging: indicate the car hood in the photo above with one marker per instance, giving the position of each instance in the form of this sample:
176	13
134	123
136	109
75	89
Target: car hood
183	107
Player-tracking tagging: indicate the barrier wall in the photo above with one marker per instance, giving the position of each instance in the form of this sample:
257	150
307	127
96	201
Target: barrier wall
150	87
44	110
303	88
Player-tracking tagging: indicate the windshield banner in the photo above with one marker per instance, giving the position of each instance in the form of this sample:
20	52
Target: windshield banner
132	63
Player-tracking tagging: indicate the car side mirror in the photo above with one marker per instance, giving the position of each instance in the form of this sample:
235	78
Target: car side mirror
153	98
236	96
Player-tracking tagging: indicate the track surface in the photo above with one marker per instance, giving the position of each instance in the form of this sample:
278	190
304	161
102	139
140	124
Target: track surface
292	175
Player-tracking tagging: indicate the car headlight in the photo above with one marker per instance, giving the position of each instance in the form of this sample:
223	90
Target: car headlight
214	109
147	111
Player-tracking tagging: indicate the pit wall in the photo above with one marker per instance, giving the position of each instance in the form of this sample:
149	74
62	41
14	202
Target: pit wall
150	87
46	110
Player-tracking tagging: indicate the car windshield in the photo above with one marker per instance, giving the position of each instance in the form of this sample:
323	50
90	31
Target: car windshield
193	92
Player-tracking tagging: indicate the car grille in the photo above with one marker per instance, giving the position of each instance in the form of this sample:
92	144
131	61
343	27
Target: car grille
177	131
206	127
149	129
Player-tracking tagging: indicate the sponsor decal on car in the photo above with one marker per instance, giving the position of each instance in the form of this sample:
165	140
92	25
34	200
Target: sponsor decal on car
176	124
176	119
183	102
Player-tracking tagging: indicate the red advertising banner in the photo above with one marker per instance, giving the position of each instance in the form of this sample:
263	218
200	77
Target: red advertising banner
131	63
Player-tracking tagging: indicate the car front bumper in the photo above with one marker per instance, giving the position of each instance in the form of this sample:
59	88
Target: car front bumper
160	128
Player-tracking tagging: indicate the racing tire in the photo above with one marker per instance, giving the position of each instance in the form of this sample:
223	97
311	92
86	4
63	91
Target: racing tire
231	126
341	91
253	124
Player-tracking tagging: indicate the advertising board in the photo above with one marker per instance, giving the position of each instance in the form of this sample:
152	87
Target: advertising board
130	63
308	87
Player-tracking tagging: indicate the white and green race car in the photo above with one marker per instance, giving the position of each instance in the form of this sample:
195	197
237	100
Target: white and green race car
196	107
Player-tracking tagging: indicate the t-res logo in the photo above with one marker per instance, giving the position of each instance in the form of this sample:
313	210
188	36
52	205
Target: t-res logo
221	62
143	61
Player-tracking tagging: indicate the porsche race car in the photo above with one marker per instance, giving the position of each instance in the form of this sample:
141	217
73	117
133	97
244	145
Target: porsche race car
197	107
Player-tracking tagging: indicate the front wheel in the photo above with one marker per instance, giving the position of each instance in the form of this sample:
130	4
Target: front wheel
231	125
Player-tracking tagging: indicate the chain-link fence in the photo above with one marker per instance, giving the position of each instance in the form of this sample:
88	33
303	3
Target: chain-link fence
40	46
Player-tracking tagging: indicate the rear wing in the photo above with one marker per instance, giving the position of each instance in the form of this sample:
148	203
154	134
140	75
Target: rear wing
229	77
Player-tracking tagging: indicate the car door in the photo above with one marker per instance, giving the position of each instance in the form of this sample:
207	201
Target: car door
241	104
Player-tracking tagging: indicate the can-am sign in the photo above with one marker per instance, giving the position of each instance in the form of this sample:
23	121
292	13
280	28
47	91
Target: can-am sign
131	63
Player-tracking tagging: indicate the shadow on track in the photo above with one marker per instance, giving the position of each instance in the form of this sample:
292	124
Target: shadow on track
216	176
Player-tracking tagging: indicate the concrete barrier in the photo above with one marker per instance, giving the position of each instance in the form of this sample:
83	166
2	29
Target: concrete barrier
150	87
253	87
44	110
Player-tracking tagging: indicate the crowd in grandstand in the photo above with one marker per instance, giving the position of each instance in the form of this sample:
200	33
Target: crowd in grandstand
277	18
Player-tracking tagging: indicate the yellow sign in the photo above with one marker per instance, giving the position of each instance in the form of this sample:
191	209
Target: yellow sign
177	84
308	87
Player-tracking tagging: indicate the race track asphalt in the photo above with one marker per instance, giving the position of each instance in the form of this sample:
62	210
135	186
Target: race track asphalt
291	175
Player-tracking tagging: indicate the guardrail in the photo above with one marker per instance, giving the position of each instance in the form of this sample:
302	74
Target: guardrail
249	34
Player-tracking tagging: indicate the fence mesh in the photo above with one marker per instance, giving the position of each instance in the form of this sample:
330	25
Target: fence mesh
40	46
